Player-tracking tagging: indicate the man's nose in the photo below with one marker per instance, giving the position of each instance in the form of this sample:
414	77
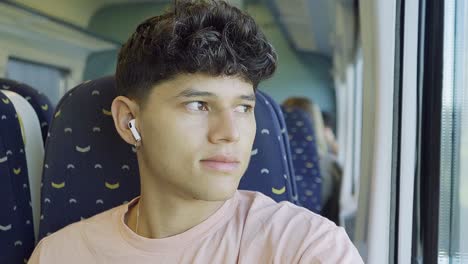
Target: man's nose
223	128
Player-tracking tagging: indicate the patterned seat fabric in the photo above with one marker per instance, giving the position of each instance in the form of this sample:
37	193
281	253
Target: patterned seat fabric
269	170
41	104
287	157
89	168
16	225
305	158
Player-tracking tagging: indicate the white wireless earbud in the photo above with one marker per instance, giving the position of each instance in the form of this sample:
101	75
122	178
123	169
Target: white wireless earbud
131	125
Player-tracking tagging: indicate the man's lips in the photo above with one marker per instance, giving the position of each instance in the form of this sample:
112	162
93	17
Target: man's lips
221	163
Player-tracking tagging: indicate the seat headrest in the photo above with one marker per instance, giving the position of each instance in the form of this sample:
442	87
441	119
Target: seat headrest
40	102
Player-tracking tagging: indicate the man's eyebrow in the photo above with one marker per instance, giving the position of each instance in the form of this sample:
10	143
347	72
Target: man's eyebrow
190	93
194	93
250	97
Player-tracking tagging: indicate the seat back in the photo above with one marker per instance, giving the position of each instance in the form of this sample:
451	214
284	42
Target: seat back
16	223
34	150
305	158
89	168
286	147
41	104
269	156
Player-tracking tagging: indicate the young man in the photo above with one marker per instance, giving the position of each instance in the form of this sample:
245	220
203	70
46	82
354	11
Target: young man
187	81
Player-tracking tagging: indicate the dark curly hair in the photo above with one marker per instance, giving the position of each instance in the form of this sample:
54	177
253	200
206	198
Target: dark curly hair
210	37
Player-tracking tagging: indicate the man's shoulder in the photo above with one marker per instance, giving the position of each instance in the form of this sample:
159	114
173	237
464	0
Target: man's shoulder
60	246
292	232
77	239
100	221
273	221
269	211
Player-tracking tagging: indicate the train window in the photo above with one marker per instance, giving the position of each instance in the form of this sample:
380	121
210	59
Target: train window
453	234
50	80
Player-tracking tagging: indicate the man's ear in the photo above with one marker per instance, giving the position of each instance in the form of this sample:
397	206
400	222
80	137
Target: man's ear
123	110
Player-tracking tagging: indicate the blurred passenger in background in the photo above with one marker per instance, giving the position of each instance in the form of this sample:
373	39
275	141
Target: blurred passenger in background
330	129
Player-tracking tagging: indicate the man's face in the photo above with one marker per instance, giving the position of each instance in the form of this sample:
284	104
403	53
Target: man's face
197	135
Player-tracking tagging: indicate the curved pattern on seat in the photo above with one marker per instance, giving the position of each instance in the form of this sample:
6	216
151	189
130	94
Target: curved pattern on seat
41	104
287	156
89	168
268	171
305	158
16	224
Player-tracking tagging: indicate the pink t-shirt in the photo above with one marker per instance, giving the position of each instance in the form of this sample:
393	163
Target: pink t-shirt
248	228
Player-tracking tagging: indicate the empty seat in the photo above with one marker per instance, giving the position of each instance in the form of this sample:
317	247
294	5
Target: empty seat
305	158
41	104
34	149
16	223
89	168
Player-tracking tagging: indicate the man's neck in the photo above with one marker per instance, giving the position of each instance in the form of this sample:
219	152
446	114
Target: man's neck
163	214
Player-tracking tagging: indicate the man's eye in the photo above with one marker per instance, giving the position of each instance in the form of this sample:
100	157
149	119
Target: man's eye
197	106
244	108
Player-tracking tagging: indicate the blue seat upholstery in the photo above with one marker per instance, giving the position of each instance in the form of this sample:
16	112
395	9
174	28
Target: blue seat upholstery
89	168
305	158
287	157
16	225
40	102
269	156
